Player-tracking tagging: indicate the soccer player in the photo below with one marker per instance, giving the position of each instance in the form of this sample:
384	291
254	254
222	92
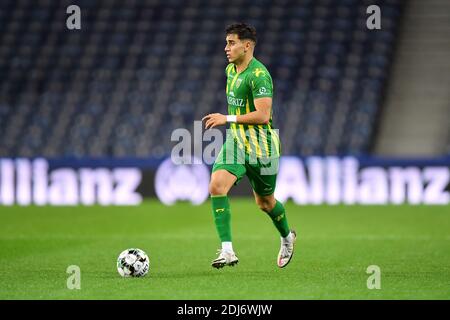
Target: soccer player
252	146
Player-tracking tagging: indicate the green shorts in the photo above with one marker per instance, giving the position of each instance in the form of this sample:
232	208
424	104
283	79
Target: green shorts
261	172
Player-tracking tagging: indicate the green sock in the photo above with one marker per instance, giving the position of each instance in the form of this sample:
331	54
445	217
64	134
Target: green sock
222	216
278	216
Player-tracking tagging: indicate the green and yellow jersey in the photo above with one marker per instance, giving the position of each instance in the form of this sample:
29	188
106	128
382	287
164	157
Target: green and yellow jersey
241	90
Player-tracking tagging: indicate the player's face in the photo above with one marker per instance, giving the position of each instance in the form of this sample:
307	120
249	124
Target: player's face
235	49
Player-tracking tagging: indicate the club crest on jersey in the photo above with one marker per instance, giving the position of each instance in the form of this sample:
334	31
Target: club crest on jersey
238	82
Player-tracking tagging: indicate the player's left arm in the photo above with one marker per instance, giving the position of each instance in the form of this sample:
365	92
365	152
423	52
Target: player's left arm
261	115
262	92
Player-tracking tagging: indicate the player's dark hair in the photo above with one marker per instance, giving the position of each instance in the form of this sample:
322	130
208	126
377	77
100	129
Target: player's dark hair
242	30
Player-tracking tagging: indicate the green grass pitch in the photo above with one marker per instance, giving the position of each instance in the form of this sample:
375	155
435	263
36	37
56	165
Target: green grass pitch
336	244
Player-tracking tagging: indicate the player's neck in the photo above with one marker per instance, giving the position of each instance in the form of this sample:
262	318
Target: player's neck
242	65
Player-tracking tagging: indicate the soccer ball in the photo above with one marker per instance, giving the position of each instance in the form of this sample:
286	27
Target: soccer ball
133	262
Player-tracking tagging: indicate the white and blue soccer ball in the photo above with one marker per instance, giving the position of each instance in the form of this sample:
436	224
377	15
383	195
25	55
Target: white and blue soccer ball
133	262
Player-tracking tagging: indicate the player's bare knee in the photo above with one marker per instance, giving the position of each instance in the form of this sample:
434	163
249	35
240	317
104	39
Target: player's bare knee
265	205
217	188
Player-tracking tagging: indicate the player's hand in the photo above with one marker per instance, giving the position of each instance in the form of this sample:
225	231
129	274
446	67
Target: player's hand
214	120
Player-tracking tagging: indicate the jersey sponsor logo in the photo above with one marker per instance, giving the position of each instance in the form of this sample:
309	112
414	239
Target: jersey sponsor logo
262	90
238	82
235	102
232	93
259	72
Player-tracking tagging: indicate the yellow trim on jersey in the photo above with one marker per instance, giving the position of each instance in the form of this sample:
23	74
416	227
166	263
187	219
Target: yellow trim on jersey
247	107
234	80
242	131
228	71
229	68
234	125
234	129
275	139
255	141
263	137
252	132
247	144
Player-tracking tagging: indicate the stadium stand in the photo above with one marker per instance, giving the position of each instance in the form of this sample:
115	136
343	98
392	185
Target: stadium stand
139	69
418	91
